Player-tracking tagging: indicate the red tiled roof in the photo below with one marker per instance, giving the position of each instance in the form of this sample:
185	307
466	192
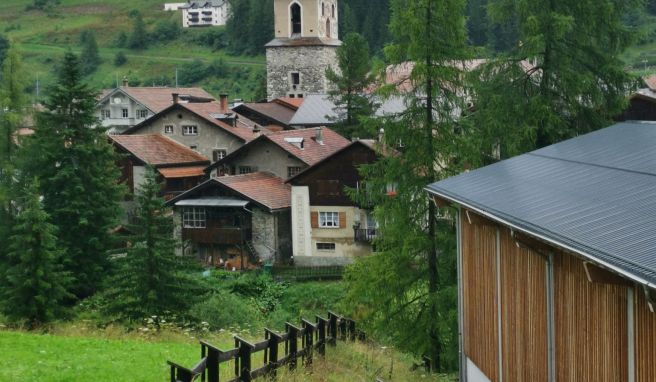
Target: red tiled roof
159	98
157	150
261	187
182	172
650	81
207	109
312	151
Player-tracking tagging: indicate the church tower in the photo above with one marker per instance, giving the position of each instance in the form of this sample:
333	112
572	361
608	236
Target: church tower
305	43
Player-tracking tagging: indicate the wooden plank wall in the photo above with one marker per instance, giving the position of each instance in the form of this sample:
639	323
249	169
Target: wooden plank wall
645	339
523	312
480	296
591	325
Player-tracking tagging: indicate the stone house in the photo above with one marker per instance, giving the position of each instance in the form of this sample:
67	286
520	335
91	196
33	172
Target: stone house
283	153
304	46
328	227
210	128
242	218
125	106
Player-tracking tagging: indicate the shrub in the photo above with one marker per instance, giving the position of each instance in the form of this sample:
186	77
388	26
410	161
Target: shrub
165	31
120	59
224	310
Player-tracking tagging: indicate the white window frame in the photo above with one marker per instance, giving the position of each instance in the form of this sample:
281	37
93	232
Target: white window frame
222	154
105	114
329	219
142	113
189	130
168	129
293	171
243	170
125	113
194	218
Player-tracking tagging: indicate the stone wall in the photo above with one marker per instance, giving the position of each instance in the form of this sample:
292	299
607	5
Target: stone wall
310	61
264	234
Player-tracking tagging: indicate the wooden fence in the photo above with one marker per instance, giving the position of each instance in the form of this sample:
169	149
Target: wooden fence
295	273
314	336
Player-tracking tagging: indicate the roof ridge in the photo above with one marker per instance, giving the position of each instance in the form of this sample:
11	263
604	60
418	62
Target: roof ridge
592	164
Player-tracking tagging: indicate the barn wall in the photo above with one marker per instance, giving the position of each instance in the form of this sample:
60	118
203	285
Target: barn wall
480	297
591	325
645	339
523	312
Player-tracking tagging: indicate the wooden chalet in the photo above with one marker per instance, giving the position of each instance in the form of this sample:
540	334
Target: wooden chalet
557	261
242	220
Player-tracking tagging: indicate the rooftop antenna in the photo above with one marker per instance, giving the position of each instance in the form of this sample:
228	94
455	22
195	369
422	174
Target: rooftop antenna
176	77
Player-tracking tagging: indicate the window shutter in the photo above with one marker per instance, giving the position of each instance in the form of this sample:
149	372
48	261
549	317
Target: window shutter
314	219
342	220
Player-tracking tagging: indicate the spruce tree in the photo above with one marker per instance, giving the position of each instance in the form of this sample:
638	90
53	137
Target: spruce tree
139	37
89	58
151	280
350	83
76	165
33	284
562	78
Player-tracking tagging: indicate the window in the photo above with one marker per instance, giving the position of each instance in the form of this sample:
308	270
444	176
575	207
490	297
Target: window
168	129
296	78
293	170
125	113
333	11
105	114
329	219
325	246
295	11
142	114
218	154
194	218
328	28
189	130
245	170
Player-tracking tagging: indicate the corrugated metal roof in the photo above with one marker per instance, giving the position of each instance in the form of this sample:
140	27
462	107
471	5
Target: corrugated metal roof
318	109
594	194
216	201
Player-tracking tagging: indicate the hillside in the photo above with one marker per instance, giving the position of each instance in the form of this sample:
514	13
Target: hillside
45	36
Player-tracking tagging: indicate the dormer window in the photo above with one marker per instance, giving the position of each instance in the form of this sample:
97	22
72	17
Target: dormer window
298	142
295	12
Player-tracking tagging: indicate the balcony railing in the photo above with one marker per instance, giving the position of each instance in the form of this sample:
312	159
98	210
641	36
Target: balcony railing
364	235
229	236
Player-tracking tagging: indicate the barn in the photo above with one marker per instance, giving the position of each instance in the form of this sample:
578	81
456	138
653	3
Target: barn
557	260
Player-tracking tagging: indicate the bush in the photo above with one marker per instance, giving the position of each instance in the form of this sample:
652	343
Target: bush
165	31
120	59
214	38
224	310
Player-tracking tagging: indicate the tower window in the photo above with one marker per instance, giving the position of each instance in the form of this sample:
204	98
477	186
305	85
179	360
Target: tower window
296	78
333	11
295	11
323	9
328	28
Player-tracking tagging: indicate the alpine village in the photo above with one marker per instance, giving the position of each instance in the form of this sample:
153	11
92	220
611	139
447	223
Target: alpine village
326	190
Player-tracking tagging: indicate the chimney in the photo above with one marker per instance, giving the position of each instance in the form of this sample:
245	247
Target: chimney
176	98
319	137
223	101
257	131
381	135
125	82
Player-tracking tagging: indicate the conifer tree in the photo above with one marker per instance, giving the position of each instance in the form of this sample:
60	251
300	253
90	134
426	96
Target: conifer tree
151	280
412	278
76	166
562	78
89	58
139	37
350	82
33	284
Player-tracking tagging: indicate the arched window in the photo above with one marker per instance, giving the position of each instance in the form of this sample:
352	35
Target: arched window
333	10
295	11
328	28
323	9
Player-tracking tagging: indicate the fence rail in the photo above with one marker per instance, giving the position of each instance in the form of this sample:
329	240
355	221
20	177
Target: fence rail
296	273
314	336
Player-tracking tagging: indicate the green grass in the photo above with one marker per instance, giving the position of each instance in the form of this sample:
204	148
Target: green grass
104	356
44	38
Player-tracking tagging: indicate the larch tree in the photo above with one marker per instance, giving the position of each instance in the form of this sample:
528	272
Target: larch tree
562	78
151	279
76	166
350	82
33	284
406	292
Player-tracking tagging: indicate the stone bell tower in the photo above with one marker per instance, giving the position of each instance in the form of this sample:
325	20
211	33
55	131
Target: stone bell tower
305	43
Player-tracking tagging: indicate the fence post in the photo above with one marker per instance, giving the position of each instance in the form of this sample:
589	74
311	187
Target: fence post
274	340
245	350
212	369
292	332
321	328
332	328
309	340
352	329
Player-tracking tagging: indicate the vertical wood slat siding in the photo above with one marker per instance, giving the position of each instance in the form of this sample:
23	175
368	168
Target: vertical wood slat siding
591	325
479	296
523	313
645	339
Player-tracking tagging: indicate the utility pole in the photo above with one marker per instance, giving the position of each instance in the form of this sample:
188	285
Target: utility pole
176	77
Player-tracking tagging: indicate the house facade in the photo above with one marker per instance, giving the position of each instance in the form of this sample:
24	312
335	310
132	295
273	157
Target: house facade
206	127
124	107
204	13
557	278
243	220
283	153
328	227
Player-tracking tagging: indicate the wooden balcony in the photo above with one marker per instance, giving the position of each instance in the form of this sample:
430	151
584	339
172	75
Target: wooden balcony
227	236
364	235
